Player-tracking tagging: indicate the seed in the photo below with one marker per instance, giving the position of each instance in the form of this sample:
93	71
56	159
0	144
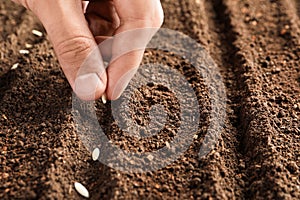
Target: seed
150	157
23	51
28	46
81	190
5	175
37	33
104	99
4	117
15	66
168	145
105	64
95	154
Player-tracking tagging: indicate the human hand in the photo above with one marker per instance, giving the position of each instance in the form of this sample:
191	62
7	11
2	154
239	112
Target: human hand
75	35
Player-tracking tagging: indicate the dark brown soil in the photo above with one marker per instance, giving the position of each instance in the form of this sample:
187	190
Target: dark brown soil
256	45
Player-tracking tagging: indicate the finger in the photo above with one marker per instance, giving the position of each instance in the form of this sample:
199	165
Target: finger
105	46
139	20
102	17
127	53
103	22
74	45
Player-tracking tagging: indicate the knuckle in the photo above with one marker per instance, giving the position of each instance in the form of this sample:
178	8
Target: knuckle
74	49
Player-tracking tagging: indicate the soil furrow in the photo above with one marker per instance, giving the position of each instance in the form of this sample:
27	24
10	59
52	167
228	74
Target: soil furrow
225	52
207	27
270	121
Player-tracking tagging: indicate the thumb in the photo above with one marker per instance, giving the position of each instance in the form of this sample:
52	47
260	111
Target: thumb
74	45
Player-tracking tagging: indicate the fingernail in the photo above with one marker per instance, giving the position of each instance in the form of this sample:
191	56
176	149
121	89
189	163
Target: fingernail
87	84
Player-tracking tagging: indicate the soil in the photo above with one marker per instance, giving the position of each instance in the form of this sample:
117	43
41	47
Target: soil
256	46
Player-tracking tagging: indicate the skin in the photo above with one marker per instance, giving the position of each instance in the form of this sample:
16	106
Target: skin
75	29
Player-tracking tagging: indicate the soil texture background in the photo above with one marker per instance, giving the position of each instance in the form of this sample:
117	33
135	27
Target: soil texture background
256	46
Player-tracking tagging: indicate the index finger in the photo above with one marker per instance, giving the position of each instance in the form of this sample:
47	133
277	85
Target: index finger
139	21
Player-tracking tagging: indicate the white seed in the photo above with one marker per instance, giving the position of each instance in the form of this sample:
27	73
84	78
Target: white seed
168	145
15	66
24	51
81	190
95	154
105	64
28	46
37	33
195	137
150	157
104	99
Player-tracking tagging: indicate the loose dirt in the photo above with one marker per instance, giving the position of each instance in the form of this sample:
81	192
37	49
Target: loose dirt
256	46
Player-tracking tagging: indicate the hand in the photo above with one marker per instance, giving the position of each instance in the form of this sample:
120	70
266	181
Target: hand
75	35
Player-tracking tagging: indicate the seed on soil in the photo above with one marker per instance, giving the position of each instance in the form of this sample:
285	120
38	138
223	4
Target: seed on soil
24	51
168	145
28	46
104	99
81	190
95	154
37	33
150	157
15	66
4	117
5	175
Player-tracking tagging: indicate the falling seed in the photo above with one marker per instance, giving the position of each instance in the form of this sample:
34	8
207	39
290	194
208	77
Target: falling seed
37	33
23	51
81	190
95	154
104	99
15	66
106	64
